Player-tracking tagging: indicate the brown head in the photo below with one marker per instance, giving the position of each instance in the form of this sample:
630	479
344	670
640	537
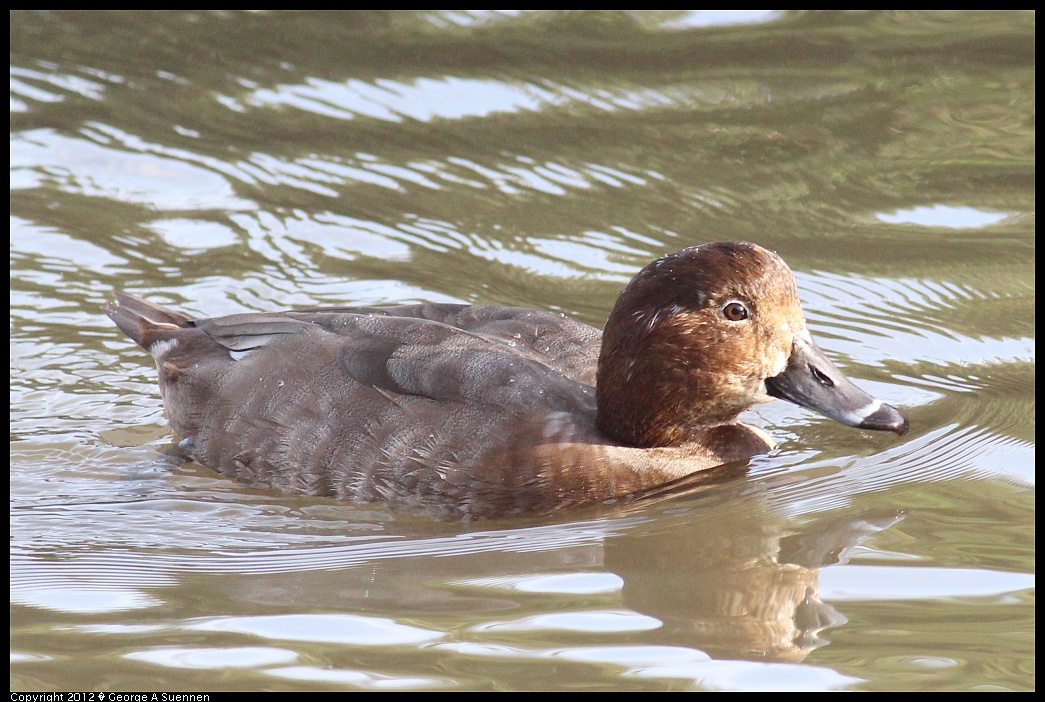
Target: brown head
696	335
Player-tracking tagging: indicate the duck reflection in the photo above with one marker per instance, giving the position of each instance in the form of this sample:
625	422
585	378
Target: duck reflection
726	575
715	569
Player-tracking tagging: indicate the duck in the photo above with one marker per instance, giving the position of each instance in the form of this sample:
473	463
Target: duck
486	411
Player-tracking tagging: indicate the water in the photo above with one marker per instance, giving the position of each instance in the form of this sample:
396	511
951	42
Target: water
222	162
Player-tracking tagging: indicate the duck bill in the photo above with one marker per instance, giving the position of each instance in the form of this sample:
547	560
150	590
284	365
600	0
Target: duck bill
812	381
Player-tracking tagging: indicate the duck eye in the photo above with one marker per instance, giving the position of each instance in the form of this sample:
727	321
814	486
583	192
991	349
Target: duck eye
735	311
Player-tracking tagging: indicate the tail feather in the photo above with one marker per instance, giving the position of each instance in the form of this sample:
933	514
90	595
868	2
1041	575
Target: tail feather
145	322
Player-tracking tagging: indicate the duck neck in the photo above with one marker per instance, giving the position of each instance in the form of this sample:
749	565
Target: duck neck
650	391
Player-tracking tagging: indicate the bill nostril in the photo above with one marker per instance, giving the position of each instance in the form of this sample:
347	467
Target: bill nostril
820	376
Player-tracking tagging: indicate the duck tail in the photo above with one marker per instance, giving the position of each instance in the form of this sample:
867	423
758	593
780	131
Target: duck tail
145	322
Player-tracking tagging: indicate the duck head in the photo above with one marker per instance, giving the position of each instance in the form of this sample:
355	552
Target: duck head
702	334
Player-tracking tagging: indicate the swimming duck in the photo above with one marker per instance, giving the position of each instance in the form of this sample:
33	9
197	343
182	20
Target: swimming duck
486	411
